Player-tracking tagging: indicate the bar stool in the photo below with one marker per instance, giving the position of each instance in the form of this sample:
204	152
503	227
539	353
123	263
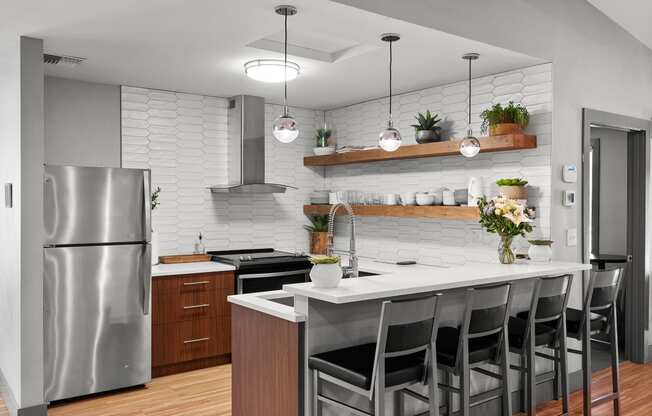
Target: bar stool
598	315
481	339
544	324
404	355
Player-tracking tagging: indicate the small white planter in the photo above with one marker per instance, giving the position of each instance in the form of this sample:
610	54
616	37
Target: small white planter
323	151
154	244
326	276
540	253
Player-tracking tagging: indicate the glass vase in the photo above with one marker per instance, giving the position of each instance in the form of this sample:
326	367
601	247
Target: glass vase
505	252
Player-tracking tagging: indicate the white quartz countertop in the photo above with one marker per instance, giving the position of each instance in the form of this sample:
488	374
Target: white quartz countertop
268	303
395	280
190	268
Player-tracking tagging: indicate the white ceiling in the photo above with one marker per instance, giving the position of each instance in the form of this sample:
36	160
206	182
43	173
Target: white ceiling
635	16
200	46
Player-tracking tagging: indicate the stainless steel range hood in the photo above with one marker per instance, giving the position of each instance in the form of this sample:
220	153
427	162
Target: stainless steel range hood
246	149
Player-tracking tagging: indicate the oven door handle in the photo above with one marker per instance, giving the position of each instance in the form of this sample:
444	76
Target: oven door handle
275	274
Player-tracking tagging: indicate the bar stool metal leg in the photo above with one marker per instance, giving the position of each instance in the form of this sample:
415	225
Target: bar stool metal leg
555	380
615	366
531	377
563	365
449	394
523	382
379	392
586	361
504	364
316	408
465	380
433	384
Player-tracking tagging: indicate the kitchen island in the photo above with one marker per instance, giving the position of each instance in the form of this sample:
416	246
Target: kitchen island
327	319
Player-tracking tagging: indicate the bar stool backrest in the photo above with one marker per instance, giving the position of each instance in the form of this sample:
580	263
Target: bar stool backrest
603	289
406	327
550	297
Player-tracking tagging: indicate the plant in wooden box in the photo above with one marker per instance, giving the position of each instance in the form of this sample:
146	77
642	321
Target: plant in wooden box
427	130
507	218
513	188
318	229
326	271
322	145
499	120
154	243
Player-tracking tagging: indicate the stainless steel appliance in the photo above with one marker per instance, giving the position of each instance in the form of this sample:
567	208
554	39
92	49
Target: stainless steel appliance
261	270
97	278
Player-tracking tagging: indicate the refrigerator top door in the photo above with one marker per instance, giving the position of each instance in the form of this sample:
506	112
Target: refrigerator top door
85	205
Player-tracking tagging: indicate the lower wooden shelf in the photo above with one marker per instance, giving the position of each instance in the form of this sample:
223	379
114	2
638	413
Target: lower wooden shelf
412	211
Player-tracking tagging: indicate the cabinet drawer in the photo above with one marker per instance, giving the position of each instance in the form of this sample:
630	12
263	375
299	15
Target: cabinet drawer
190	340
193	283
169	307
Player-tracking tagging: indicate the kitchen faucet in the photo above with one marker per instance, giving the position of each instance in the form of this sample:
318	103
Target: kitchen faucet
352	269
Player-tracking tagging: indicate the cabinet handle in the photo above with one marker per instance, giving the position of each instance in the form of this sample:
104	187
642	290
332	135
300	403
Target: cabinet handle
203	305
192	341
203	282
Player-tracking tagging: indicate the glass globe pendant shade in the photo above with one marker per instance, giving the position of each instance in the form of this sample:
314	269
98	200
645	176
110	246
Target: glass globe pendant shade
470	145
390	138
285	128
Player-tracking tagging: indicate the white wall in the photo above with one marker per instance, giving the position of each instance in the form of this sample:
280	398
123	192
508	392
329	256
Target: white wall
82	123
183	139
613	190
445	241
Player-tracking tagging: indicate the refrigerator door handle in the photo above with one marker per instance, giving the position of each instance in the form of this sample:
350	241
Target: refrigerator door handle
147	204
147	279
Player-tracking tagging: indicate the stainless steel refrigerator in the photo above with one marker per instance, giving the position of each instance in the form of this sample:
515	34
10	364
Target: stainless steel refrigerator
97	280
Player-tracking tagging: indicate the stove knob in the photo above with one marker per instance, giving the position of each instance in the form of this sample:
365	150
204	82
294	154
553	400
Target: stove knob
249	258
242	258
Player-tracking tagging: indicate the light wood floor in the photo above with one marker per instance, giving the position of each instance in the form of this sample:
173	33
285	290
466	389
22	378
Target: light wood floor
208	392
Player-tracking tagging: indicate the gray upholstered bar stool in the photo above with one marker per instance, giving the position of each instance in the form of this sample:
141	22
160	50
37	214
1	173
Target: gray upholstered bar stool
480	339
404	355
598	315
544	324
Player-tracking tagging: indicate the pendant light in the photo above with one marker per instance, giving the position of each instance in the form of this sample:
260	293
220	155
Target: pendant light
470	145
390	138
285	127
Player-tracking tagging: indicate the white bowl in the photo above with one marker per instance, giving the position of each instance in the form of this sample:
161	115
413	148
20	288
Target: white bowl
425	199
323	151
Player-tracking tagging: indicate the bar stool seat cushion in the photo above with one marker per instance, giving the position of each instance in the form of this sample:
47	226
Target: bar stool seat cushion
573	319
544	334
354	365
480	349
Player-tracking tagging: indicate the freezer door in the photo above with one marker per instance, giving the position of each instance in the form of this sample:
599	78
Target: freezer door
97	322
96	205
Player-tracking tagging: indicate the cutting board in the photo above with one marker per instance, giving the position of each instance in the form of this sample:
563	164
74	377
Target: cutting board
184	258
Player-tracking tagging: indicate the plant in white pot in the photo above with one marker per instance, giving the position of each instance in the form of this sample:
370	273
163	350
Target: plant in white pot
154	243
513	188
326	271
540	250
323	146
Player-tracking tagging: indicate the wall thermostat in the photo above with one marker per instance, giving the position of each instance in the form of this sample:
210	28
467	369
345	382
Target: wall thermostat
568	198
569	173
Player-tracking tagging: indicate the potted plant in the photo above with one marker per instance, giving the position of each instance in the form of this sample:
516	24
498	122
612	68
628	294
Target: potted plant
540	250
323	147
513	188
499	120
326	271
427	130
508	218
154	243
318	229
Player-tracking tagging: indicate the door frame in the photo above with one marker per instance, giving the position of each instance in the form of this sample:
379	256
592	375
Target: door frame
636	288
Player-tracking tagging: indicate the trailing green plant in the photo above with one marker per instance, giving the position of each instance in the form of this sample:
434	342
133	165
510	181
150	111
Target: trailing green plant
427	121
511	182
325	259
155	196
511	113
318	224
322	135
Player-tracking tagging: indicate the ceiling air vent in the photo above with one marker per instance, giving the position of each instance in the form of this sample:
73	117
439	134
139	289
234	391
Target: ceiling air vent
64	60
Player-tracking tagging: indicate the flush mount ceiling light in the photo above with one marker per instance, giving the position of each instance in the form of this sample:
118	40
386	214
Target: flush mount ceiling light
271	70
470	145
285	128
390	138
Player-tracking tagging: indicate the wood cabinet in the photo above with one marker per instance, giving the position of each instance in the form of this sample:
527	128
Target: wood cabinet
191	321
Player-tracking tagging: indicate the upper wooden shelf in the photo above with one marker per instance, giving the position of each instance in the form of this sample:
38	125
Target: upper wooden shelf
414	151
412	211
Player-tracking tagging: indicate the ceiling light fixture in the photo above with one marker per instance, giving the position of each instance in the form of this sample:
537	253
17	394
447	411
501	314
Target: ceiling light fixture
390	138
285	127
271	70
470	145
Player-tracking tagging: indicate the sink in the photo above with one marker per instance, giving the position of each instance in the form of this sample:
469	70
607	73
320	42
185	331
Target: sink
287	301
364	274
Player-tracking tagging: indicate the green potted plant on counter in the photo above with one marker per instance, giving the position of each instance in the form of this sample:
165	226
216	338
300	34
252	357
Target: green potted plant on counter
318	230
326	271
499	120
540	250
508	218
427	130
513	188
322	145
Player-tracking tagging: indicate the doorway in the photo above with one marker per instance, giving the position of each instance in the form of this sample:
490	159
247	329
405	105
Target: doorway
615	184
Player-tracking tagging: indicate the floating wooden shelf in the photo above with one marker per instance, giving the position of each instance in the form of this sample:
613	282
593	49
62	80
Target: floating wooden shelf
446	148
412	211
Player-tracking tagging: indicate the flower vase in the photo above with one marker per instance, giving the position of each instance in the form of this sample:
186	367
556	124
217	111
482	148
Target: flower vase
505	252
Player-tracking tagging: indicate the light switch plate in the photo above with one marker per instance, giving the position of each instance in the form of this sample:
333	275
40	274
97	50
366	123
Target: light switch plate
9	197
568	198
571	237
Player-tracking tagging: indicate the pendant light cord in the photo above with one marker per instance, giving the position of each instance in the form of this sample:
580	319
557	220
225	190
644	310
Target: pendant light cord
285	67
469	94
390	80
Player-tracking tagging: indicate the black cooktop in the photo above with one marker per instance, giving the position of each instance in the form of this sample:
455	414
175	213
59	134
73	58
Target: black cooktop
256	256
